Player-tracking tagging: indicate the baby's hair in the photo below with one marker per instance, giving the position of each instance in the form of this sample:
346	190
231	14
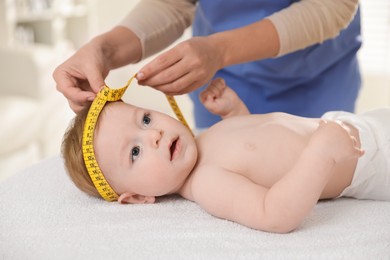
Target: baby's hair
71	150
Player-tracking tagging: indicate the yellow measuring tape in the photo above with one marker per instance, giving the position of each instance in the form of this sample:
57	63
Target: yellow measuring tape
107	94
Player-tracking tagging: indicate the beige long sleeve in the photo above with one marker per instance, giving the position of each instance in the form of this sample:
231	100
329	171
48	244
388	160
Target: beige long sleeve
159	23
312	21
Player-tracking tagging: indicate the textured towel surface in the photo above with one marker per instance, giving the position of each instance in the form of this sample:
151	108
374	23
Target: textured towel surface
43	216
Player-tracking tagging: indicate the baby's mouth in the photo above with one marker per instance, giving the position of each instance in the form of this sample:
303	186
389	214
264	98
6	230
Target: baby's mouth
173	147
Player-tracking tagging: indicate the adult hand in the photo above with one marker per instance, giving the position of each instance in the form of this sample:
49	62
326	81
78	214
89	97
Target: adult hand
81	76
184	68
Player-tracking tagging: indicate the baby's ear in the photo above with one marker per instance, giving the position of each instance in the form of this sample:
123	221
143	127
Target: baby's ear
133	198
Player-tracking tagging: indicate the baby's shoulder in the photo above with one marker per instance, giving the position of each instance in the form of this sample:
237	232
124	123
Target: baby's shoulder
208	180
215	188
205	174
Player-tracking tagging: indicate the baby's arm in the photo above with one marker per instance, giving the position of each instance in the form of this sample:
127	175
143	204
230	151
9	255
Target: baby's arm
221	100
333	141
282	207
293	197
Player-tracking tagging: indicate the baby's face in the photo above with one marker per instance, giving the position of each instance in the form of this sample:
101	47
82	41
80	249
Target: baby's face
143	151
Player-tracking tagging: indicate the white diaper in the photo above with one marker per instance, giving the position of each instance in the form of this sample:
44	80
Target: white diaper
372	175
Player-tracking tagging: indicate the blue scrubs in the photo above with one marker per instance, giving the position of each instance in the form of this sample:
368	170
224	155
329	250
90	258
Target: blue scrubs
308	82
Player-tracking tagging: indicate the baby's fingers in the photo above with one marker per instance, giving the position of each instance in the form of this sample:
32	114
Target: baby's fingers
211	105
216	87
205	95
358	150
213	91
322	122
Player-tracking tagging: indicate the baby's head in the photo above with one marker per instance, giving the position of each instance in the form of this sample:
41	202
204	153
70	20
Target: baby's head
142	153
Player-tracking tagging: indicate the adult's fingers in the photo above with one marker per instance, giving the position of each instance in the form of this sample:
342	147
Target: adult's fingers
96	81
76	107
183	85
157	65
77	98
170	74
74	93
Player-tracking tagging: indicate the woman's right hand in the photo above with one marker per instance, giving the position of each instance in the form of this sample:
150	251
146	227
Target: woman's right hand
81	76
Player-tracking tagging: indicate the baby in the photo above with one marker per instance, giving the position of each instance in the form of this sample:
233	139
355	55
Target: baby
263	171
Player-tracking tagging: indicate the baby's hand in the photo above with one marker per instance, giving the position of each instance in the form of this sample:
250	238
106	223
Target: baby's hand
334	141
221	100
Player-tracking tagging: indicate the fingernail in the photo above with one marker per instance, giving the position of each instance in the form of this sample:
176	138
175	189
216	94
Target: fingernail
90	98
140	76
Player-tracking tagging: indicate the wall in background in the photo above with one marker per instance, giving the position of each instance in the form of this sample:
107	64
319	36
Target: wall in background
375	54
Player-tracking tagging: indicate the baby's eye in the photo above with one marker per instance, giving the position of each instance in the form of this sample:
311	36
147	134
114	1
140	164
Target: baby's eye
134	153
146	119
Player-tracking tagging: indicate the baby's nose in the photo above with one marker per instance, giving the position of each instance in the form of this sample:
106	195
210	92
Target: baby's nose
155	136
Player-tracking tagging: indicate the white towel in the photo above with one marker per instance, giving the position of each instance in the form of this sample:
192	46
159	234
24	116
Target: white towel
43	216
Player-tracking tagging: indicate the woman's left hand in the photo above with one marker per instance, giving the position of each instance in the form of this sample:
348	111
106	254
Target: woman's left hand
184	68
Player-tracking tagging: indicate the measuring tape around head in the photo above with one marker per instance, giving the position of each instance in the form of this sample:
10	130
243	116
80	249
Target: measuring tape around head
107	94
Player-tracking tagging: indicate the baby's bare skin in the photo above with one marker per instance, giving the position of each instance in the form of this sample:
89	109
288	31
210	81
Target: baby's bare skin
242	160
256	139
261	170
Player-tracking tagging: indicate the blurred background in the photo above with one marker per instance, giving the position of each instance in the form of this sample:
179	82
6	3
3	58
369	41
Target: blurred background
37	35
